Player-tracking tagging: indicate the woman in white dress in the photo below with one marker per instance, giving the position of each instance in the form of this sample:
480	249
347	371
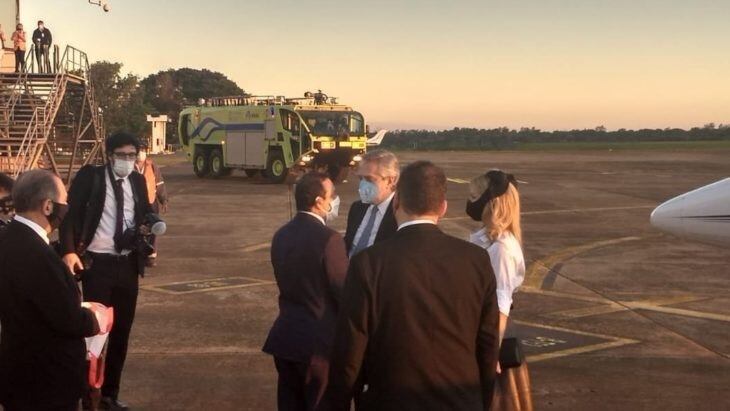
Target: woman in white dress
495	203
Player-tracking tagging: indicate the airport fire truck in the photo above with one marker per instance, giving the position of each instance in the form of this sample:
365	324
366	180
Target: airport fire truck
272	135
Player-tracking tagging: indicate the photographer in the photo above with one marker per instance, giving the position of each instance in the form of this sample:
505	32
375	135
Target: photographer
108	208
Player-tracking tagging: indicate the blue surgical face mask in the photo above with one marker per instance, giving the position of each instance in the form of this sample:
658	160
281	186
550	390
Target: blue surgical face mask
368	191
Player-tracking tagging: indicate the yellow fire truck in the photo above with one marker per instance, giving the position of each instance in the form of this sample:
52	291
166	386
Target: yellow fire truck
272	135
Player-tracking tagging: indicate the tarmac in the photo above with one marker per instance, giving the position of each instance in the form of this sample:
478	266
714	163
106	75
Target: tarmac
613	314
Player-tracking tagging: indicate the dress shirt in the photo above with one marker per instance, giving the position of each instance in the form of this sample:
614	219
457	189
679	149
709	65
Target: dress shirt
34	226
382	209
414	222
317	216
103	241
508	264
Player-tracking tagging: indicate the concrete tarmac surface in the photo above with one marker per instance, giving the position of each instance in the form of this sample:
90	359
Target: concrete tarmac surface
614	315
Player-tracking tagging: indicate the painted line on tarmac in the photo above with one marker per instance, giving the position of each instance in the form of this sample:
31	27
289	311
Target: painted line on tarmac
679	311
539	270
613	342
263	246
568	211
207	285
256	247
614	307
589	210
610	307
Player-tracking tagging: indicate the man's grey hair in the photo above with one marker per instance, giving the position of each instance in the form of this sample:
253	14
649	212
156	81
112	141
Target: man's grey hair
33	188
387	162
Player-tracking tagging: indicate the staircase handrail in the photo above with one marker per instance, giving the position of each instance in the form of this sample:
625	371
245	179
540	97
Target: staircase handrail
29	139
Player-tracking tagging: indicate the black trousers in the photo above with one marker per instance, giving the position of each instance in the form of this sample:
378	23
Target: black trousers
19	60
301	386
114	282
42	58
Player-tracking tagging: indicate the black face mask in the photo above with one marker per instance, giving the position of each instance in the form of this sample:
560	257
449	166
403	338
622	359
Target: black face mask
6	205
475	209
499	182
58	214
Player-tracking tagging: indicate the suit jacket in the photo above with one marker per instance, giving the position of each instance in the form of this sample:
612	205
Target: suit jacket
358	209
42	350
310	265
420	319
86	205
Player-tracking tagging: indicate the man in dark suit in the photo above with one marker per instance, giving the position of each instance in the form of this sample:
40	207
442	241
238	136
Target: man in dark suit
42	349
310	264
107	204
419	313
371	219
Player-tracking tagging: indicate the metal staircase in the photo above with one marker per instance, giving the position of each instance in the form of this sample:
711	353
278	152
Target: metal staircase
50	120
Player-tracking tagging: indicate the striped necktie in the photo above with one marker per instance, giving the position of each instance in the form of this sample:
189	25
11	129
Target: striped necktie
362	242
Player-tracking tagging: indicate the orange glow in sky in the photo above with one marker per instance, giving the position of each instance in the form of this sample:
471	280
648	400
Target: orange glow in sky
432	64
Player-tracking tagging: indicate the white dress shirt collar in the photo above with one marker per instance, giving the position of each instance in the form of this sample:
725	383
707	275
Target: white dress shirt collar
33	226
318	217
383	207
415	222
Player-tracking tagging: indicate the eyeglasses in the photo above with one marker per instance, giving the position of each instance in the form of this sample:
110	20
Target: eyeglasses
125	156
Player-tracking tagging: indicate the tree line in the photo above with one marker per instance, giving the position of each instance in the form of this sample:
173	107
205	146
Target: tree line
503	138
125	100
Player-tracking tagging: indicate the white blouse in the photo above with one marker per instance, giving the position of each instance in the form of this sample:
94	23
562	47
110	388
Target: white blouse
508	264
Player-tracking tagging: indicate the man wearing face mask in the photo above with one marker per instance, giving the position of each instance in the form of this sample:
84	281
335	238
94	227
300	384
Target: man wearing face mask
310	263
156	190
42	349
6	202
371	219
106	204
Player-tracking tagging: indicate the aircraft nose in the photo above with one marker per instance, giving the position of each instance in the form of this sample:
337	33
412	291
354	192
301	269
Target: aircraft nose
667	217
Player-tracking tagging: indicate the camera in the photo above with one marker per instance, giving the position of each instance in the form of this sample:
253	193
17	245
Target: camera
138	239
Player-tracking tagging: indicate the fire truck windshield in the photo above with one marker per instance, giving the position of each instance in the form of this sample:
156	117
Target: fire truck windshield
333	123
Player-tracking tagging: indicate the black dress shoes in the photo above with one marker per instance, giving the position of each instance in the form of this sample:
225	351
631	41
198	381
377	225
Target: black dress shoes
112	404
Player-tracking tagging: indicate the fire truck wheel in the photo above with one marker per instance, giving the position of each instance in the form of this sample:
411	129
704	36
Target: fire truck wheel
201	163
276	170
217	166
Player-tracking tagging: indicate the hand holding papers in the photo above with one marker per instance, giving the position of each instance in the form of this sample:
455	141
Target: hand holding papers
95	345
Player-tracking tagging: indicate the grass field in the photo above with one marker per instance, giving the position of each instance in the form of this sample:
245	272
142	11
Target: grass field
638	145
596	146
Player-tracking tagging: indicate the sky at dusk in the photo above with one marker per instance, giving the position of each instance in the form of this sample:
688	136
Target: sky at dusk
434	64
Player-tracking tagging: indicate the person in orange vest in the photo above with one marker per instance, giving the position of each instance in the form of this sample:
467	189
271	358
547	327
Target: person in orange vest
157	194
18	39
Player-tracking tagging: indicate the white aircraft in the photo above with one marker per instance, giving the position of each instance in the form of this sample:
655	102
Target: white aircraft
702	214
377	138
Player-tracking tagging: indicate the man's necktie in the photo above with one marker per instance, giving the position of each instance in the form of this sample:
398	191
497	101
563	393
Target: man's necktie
119	223
362	242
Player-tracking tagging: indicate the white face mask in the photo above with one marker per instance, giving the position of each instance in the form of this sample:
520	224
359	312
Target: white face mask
142	156
123	168
334	210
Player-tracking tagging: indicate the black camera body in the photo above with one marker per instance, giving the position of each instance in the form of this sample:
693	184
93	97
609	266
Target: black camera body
138	238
